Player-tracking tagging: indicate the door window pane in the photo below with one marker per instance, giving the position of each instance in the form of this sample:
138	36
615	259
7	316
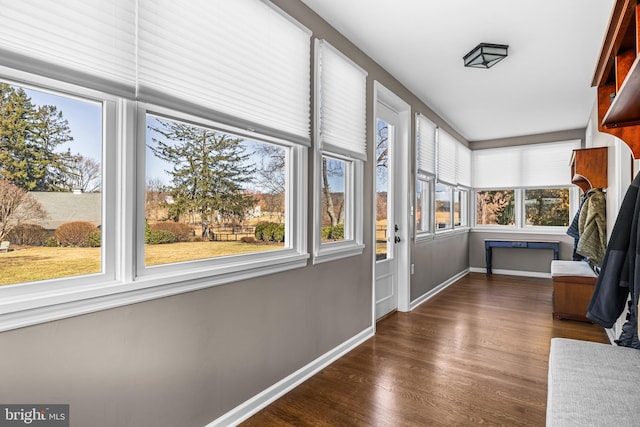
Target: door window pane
382	191
211	193
50	185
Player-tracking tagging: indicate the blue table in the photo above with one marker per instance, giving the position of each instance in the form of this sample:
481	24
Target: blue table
527	244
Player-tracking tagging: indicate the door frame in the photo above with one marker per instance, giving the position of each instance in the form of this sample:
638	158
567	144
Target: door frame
402	199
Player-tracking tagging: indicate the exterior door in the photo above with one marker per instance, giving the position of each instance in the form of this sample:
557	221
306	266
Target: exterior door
386	213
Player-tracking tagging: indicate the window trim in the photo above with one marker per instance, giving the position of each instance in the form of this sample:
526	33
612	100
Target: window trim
428	181
353	244
519	225
241	264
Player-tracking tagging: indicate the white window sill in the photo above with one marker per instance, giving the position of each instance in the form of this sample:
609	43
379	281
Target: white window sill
514	230
337	250
30	308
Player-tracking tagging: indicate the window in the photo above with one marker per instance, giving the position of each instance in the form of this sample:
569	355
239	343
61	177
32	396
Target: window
423	204
460	209
524	187
444	209
51	191
335	177
210	193
546	207
540	207
339	155
496	207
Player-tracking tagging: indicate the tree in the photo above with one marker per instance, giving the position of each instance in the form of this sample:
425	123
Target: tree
327	196
209	170
271	177
29	139
17	207
84	173
547	207
496	207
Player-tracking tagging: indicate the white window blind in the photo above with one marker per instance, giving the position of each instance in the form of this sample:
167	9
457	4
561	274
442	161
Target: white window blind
446	156
535	165
342	93
463	166
426	142
241	61
89	43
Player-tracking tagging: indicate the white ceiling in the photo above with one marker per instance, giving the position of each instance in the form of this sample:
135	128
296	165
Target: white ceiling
544	85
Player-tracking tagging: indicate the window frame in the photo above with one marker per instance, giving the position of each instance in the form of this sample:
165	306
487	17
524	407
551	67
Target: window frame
519	225
231	267
23	296
352	244
427	207
464	209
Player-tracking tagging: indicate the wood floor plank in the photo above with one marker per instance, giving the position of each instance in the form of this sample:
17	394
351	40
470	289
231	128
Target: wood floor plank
476	353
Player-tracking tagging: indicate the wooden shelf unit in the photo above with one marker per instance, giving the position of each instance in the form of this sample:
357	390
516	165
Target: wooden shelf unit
618	76
589	168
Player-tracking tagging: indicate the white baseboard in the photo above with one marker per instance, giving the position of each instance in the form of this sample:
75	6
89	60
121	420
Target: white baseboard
433	292
512	272
264	398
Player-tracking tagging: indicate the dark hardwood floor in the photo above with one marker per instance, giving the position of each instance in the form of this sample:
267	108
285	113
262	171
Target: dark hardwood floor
474	354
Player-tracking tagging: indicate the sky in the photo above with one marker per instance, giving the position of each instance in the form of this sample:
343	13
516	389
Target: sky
85	122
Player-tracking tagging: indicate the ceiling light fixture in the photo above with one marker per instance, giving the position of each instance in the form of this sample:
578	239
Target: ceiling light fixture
485	55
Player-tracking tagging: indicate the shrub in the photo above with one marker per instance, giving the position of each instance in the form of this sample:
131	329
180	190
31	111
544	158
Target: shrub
180	231
269	232
28	234
248	239
161	236
75	233
335	232
95	239
51	242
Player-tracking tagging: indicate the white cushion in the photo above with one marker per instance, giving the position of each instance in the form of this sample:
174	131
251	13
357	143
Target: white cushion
571	268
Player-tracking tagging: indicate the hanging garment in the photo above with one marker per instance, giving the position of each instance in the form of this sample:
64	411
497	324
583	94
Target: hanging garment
573	230
618	279
592	226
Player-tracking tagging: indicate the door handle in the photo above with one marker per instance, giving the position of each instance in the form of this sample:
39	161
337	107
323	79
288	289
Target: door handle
397	239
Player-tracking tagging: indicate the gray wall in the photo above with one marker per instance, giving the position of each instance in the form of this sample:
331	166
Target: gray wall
188	359
436	261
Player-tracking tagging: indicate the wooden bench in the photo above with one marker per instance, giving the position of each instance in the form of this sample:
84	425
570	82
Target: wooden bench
573	284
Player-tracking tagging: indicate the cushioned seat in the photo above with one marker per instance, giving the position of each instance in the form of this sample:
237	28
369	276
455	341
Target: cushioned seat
592	384
571	268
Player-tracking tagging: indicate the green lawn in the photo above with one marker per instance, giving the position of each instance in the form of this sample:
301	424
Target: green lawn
40	263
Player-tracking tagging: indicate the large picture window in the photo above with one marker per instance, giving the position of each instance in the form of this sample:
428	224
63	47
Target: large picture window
210	193
496	207
531	207
51	192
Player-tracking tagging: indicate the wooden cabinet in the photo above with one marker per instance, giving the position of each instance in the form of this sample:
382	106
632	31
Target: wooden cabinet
571	297
618	76
589	168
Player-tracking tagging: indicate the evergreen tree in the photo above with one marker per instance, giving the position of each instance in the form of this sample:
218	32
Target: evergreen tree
16	118
29	139
209	170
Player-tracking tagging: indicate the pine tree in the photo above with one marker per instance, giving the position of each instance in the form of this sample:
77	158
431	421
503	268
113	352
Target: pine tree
209	170
29	139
